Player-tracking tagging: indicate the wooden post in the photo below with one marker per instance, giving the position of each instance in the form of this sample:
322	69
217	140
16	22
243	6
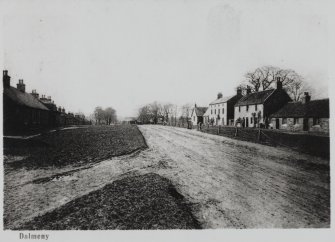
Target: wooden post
236	132
218	129
259	134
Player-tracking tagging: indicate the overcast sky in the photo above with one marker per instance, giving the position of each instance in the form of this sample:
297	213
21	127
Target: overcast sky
127	53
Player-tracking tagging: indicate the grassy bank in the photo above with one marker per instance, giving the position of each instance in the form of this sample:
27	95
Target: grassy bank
74	147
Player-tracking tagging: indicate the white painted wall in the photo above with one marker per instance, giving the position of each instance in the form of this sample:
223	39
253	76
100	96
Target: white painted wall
243	112
194	118
221	109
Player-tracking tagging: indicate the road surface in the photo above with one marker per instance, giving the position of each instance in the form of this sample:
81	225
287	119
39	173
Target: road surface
229	183
236	184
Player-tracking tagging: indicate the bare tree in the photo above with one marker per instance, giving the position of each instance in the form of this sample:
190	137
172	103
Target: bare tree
156	111
254	79
166	111
264	78
98	115
144	114
110	115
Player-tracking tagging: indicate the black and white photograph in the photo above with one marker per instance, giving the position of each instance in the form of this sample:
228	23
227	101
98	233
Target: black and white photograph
174	120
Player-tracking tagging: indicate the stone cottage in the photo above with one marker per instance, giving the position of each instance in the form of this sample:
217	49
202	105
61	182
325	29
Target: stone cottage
307	115
254	109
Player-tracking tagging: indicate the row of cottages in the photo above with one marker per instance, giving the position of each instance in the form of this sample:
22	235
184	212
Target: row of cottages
24	111
308	115
271	108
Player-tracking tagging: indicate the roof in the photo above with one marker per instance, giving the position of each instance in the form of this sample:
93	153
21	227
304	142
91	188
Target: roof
314	108
207	113
23	98
255	97
199	111
222	100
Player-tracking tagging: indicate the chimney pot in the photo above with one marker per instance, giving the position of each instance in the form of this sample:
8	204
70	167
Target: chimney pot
306	98
219	95
5	79
248	89
239	92
21	86
279	83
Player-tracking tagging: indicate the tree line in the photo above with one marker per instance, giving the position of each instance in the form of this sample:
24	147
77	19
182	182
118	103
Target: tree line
164	112
104	116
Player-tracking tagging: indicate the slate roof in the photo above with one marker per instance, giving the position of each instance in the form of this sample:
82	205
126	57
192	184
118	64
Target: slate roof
255	97
23	98
200	111
314	108
222	100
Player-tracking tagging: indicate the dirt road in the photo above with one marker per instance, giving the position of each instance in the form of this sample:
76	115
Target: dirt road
237	184
229	183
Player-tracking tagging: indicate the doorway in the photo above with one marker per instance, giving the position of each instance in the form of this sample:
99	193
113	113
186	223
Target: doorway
277	123
305	125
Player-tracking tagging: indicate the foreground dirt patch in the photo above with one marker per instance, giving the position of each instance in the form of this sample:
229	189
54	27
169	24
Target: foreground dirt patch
141	202
75	147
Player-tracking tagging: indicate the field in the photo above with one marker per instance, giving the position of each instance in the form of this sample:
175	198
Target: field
198	180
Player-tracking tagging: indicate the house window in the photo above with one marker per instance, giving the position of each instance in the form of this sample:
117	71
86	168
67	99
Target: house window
218	111
193	118
251	120
247	108
223	111
211	111
316	121
215	111
239	108
284	121
296	121
255	107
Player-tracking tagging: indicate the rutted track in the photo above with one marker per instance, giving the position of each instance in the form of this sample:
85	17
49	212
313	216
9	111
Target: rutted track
244	185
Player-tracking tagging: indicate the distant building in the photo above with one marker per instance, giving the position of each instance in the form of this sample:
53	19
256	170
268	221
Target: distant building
197	115
307	115
254	109
21	110
221	110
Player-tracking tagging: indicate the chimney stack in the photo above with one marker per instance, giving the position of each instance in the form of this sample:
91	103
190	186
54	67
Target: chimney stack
5	79
239	92
279	83
248	89
219	95
306	98
21	86
35	94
